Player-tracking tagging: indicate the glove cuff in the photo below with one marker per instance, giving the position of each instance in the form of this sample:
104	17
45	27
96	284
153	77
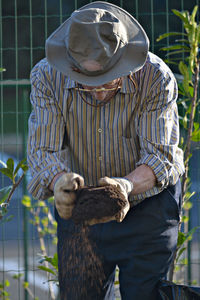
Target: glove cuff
126	184
58	177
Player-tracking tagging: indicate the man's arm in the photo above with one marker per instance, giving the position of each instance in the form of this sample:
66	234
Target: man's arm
143	179
158	132
46	133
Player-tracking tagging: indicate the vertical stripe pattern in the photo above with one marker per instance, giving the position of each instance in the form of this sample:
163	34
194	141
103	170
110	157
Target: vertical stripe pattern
138	126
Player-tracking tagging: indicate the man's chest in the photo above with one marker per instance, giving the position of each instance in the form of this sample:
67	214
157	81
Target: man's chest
118	117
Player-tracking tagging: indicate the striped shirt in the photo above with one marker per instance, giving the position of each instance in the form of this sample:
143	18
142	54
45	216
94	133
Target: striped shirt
138	126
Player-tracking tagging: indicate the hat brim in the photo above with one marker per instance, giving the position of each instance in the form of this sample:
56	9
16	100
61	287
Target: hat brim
132	59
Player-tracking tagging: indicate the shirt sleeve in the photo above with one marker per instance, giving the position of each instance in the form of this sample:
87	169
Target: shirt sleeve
46	133
159	131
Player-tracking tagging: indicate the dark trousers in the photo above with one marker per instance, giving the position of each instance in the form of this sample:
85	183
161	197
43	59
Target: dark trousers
141	246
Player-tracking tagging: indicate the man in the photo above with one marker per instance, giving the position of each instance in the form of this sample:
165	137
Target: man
105	113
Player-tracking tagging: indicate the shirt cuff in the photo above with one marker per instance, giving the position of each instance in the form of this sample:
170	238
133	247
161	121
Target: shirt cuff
38	186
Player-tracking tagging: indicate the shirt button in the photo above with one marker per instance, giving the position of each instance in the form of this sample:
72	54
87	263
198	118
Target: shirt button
100	157
99	130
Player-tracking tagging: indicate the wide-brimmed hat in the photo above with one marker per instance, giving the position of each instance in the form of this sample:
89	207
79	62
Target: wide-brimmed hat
105	35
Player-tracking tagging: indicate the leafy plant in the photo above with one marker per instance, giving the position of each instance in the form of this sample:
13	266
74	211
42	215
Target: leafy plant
25	285
7	192
45	224
53	261
3	290
188	64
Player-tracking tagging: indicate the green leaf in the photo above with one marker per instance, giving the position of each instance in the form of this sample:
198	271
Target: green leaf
45	221
7	283
187	205
7	173
2	70
186	78
7	219
189	195
55	241
175	47
45	210
21	163
196	136
24	168
52	260
185	120
177	52
181	239
183	69
10	165
182	41
179	253
41	203
198	33
17	276
181	15
4	192
184	219
51	200
191	92
193	15
168	61
43	268
167	34
26	201
25	284
196	126
189	109
37	222
183	101
55	261
184	261
3	212
191	232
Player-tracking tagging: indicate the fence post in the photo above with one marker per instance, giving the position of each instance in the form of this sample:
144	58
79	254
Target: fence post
25	97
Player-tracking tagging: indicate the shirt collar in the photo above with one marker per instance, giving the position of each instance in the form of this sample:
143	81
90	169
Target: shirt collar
127	85
69	83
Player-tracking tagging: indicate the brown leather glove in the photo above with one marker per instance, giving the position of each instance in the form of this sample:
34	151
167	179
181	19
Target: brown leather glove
64	195
125	186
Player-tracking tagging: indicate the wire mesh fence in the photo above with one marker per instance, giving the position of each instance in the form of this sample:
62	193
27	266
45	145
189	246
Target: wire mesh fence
24	27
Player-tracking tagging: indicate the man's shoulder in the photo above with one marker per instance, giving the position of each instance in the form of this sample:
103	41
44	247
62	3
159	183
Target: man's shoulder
42	67
45	72
156	64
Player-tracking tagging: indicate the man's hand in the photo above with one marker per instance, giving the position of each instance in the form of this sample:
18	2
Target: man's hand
64	195
125	186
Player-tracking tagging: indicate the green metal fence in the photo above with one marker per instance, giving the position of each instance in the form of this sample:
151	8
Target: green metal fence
24	27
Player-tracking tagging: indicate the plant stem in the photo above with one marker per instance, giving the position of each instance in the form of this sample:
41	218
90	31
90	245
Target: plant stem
187	155
44	253
15	185
190	129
